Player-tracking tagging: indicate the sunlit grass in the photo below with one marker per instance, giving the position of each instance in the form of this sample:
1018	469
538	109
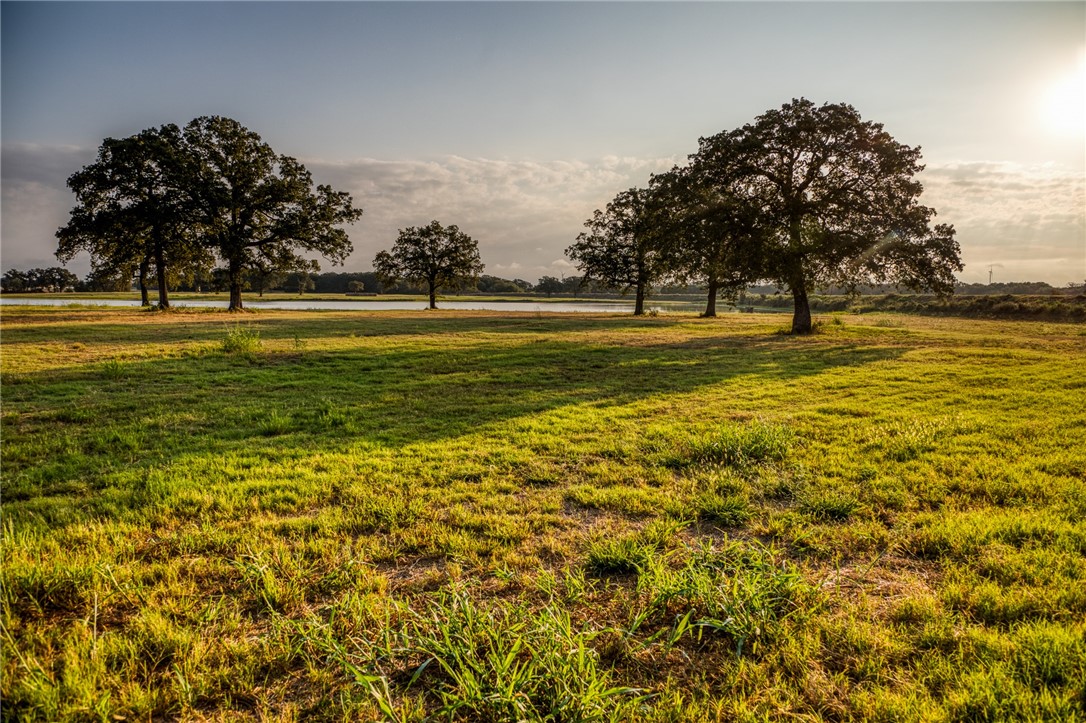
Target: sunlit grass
483	516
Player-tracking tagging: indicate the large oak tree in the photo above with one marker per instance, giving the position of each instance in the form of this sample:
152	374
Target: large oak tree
838	202
132	211
435	255
257	210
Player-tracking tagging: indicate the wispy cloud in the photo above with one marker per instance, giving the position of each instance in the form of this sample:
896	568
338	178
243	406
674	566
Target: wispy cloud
1029	219
523	213
35	200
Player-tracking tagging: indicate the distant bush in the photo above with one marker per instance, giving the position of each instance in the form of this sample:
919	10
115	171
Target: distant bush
1006	306
1002	306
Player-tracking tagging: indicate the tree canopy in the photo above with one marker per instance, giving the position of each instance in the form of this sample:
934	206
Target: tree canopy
435	255
621	248
836	202
259	211
177	199
132	210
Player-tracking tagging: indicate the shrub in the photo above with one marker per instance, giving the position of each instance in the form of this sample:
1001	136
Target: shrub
241	340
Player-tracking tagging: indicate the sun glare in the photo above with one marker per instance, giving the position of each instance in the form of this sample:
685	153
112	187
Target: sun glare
1063	107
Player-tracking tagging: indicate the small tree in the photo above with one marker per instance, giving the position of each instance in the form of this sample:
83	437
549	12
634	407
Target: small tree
304	279
549	285
263	279
837	200
14	281
621	249
434	255
709	231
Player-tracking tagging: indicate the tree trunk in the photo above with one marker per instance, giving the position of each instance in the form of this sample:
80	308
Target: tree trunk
235	286
433	295
801	316
235	296
160	270
710	304
639	301
144	270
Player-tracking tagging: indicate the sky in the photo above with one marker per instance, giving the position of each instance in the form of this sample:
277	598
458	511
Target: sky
516	120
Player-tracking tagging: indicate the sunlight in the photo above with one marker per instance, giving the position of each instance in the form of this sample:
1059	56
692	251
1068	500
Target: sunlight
1062	107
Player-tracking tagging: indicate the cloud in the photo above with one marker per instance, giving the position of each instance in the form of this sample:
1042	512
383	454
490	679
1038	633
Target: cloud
1029	219
522	213
35	200
525	213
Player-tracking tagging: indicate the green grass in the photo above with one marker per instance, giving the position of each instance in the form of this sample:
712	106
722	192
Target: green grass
489	516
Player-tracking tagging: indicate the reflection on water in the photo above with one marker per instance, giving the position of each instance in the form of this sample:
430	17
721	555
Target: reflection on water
360	305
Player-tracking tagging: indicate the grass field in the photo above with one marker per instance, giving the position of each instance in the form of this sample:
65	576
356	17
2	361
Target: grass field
493	516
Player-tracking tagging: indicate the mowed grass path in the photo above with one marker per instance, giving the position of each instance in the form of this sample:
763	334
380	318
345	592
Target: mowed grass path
497	516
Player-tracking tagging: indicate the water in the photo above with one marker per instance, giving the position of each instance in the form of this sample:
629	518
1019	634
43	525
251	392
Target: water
360	305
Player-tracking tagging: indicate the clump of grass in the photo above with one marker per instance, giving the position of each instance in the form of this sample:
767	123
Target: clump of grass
241	340
1052	654
618	556
830	506
993	694
631	501
504	662
905	441
630	553
738	445
381	513
738	591
275	424
510	664
725	510
113	369
45	589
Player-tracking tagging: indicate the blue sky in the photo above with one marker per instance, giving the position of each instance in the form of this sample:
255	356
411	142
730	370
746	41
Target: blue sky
516	120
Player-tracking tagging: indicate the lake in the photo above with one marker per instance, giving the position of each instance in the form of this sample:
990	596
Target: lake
360	305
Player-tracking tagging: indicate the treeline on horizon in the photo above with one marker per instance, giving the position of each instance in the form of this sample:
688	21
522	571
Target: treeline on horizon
58	279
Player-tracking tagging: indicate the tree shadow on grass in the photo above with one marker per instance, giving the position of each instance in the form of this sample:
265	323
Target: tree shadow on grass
83	327
69	431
